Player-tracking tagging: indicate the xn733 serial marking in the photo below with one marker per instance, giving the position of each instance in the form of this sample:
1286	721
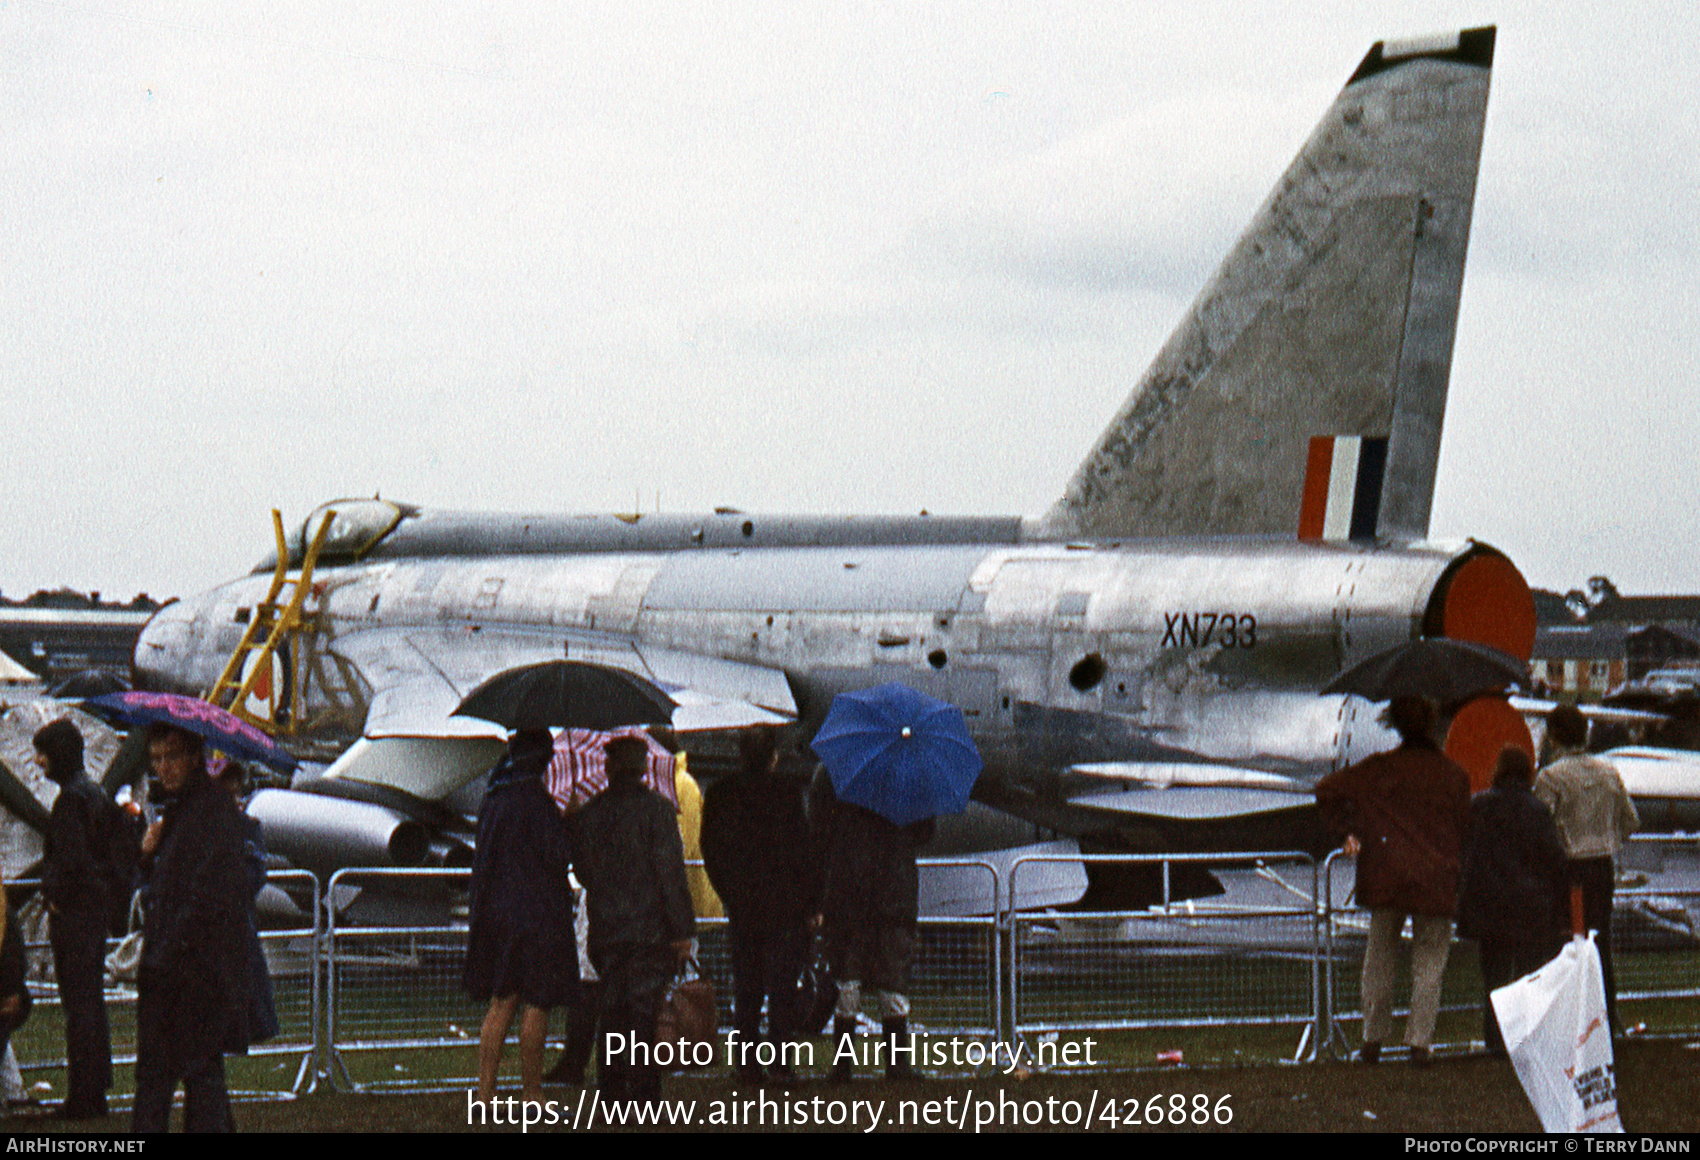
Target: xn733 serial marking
1198	629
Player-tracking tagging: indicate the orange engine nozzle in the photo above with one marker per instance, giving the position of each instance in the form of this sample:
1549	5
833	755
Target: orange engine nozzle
1485	599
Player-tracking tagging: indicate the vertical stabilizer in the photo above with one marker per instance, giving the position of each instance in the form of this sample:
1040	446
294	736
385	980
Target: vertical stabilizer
1333	316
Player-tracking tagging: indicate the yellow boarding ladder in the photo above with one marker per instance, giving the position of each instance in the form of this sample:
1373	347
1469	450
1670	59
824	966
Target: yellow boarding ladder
274	626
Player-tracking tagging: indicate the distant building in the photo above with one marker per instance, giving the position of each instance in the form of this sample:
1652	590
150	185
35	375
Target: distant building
58	634
1662	646
1579	662
1589	641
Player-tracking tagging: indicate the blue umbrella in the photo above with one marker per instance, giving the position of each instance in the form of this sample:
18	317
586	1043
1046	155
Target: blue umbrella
220	729
902	754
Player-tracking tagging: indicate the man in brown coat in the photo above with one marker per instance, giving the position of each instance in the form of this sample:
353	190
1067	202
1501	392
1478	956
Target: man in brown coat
1404	814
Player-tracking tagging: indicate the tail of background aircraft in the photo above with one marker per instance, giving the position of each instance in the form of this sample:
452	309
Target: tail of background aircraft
1333	316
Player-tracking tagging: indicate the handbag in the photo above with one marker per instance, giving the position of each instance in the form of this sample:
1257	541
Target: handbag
817	994
689	1014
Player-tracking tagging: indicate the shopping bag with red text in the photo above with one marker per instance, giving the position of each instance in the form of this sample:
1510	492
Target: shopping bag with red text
1554	1022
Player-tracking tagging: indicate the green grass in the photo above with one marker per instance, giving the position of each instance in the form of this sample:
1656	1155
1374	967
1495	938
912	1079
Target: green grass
1263	998
1658	1085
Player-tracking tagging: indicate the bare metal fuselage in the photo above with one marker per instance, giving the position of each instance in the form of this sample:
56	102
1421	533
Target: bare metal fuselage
1193	654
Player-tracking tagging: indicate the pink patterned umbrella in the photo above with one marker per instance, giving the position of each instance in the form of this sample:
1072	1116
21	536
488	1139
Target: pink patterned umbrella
220	729
578	771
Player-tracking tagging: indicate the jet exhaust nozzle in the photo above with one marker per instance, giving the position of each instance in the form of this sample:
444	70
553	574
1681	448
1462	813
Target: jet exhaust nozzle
314	831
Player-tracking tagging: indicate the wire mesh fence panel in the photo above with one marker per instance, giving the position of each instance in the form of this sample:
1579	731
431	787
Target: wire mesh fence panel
714	961
391	988
953	985
953	979
1655	951
1346	936
1459	1025
1656	935
285	1062
1248	958
279	1066
39	1045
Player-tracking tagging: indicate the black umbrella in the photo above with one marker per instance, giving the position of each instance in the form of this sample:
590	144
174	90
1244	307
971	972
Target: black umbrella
569	695
1448	672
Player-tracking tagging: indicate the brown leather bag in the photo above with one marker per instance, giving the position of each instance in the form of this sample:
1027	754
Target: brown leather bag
689	1013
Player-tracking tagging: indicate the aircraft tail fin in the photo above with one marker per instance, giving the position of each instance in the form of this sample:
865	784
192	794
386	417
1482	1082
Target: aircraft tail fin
1332	319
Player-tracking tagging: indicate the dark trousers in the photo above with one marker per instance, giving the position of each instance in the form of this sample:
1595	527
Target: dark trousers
875	953
581	1032
1504	963
79	963
765	964
160	1065
206	1103
1598	882
634	976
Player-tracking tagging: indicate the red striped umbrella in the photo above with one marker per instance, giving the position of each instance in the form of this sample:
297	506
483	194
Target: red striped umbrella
579	771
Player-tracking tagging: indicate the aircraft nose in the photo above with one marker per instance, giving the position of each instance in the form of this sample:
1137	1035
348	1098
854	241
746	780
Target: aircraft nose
161	647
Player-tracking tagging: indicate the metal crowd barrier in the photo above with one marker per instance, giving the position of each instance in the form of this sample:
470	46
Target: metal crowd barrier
280	1067
956	983
1250	962
293	955
1656	937
1230	978
1346	934
397	988
1655	953
391	988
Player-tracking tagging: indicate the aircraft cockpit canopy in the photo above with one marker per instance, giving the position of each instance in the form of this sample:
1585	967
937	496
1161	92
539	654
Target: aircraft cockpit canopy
356	528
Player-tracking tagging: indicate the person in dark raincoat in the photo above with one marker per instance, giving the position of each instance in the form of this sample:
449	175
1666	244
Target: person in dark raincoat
755	847
73	880
262	1011
195	969
520	950
1511	894
870	907
632	863
15	1001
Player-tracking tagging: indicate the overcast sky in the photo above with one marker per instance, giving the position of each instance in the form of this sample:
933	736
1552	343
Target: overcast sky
821	257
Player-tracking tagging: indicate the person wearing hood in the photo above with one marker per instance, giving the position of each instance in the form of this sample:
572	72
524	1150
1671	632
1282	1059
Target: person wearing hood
1512	889
194	978
73	883
1594	817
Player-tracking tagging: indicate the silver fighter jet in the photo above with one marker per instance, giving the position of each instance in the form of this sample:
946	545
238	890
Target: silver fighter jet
1140	665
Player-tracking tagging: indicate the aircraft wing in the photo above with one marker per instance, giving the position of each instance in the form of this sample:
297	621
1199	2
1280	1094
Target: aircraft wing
416	676
1188	791
1195	803
1536	707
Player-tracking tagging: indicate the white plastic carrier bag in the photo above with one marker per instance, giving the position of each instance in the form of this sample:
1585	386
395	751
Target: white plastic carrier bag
1554	1022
